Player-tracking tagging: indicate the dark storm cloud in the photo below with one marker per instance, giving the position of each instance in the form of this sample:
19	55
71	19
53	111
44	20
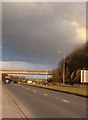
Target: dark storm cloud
39	30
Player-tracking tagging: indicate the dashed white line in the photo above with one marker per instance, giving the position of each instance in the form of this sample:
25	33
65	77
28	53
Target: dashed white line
65	101
46	94
34	90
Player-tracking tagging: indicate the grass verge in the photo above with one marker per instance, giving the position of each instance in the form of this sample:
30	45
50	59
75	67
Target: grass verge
80	91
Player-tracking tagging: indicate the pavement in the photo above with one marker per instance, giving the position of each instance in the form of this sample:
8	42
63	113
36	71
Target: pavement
9	109
32	102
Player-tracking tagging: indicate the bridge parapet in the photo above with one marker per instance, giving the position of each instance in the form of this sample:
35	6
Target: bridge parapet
35	72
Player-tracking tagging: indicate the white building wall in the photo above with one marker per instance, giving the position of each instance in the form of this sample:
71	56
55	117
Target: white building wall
84	76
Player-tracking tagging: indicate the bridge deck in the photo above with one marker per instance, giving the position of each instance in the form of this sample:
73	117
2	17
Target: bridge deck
32	72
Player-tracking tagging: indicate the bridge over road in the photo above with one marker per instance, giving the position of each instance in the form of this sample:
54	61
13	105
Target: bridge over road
28	72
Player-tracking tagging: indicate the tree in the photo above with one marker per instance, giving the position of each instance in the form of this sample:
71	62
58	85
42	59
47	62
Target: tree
74	62
78	76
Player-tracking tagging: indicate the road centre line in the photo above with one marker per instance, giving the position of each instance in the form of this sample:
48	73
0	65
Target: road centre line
22	87
65	101
45	94
34	90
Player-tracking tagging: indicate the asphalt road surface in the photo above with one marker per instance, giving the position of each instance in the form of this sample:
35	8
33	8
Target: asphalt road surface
42	103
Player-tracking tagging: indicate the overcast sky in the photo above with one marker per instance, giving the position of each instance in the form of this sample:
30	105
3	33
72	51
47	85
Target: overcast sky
33	33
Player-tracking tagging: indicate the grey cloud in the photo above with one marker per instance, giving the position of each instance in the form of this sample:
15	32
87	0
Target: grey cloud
37	29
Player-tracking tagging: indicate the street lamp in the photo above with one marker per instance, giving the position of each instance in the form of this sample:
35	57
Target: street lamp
63	65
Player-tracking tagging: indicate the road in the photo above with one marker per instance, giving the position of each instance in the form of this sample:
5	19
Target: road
42	103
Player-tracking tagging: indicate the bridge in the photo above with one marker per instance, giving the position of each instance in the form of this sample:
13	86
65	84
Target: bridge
27	72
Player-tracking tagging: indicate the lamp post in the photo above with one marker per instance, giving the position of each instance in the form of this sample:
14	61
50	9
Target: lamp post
63	65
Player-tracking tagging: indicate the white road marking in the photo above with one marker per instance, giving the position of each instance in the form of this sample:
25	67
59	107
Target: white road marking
34	90
45	94
27	88
65	101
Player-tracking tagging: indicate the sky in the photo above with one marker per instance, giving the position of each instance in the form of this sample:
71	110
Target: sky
33	33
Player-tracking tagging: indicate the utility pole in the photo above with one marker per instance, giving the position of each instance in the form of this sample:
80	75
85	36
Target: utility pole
63	65
63	68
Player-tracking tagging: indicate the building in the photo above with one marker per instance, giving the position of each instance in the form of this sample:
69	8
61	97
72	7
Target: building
84	76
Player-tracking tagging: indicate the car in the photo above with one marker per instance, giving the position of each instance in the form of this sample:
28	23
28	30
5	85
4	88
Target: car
33	83
46	83
19	82
7	81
